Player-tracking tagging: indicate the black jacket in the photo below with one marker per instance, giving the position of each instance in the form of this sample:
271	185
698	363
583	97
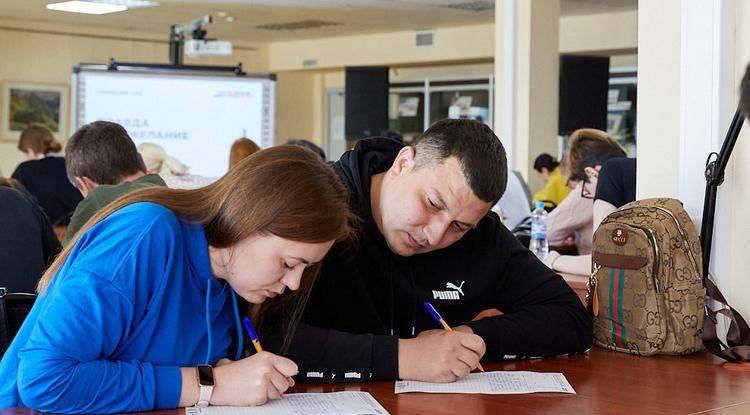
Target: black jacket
27	243
366	297
47	180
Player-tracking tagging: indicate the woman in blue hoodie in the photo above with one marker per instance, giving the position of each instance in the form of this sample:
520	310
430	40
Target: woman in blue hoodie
146	292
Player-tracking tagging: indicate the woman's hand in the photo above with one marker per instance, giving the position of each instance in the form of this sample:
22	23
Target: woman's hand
253	380
551	257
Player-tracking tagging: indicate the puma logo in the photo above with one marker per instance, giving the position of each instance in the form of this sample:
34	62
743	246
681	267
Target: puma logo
453	286
456	293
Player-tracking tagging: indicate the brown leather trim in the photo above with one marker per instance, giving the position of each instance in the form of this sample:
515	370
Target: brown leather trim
619	261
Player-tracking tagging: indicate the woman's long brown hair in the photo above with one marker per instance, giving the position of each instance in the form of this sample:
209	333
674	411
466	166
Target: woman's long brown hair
286	191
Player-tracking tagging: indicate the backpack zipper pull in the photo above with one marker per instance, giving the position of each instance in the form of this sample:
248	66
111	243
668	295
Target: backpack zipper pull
593	292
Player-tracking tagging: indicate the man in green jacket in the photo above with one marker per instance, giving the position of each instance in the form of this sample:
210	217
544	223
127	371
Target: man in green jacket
103	163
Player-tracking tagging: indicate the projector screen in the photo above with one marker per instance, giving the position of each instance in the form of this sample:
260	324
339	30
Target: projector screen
195	116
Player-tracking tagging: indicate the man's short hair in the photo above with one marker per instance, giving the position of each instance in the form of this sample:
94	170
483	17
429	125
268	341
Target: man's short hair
102	151
478	150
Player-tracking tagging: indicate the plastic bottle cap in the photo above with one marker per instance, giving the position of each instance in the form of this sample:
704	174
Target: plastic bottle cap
540	205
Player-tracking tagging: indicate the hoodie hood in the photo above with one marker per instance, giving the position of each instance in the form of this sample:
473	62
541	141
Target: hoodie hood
368	157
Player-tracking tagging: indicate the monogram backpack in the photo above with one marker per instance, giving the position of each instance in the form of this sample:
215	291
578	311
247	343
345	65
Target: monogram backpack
646	288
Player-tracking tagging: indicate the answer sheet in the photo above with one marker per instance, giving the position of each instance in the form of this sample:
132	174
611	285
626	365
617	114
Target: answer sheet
333	403
494	383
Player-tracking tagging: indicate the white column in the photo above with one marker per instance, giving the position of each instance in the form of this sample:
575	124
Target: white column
658	110
527	67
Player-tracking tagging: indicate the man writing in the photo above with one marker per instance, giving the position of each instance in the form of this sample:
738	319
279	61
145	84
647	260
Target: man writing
428	235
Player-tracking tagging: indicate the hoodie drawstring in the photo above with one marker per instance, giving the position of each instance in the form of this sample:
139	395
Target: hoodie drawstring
240	337
391	300
413	300
208	323
240	334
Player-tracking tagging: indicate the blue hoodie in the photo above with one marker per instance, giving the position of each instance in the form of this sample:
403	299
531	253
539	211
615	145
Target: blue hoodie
133	303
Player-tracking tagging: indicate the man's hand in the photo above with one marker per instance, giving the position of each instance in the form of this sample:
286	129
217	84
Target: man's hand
462	329
440	356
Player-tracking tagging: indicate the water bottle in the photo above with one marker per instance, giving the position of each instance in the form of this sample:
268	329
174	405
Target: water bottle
538	244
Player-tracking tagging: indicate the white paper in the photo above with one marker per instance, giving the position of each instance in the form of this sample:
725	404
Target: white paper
494	383
333	403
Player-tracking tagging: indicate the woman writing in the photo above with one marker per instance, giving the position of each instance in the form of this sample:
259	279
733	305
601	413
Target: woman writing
147	291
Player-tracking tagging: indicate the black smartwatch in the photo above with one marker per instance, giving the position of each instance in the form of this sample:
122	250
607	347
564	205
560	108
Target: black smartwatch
206	384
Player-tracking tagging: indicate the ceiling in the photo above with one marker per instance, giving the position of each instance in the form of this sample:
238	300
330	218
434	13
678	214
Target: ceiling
341	17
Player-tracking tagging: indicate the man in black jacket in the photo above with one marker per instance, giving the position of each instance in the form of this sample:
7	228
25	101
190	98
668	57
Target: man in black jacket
428	235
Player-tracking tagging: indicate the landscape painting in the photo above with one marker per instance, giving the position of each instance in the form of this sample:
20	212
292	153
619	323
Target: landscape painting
25	104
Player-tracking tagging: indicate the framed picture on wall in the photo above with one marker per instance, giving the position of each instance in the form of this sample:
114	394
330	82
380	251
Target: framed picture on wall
27	103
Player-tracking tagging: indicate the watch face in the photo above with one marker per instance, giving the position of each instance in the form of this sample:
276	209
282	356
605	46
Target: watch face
205	375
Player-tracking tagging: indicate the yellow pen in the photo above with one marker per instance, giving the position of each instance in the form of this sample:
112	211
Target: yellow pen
435	315
252	334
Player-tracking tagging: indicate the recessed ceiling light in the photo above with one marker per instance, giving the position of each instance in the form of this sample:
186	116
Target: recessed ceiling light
100	6
77	6
130	4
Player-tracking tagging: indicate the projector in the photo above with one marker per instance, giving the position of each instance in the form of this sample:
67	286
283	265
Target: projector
196	47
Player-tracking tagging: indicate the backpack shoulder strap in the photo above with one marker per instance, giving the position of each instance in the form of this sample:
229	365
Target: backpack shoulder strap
737	347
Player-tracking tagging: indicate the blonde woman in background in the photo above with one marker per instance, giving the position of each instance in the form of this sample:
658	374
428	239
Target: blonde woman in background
173	171
43	174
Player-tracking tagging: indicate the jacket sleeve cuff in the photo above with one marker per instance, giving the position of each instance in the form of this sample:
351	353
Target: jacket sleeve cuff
385	358
489	331
168	382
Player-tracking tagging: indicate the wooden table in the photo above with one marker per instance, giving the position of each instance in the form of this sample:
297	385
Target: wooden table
606	383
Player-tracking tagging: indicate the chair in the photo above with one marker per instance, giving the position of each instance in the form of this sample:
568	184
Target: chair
14	307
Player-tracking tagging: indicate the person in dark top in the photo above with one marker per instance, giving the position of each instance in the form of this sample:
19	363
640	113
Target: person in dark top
27	243
616	184
44	176
428	235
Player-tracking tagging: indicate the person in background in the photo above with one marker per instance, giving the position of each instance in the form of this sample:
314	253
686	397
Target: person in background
27	243
43	175
513	206
308	145
241	148
172	171
103	163
147	291
589	151
555	184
